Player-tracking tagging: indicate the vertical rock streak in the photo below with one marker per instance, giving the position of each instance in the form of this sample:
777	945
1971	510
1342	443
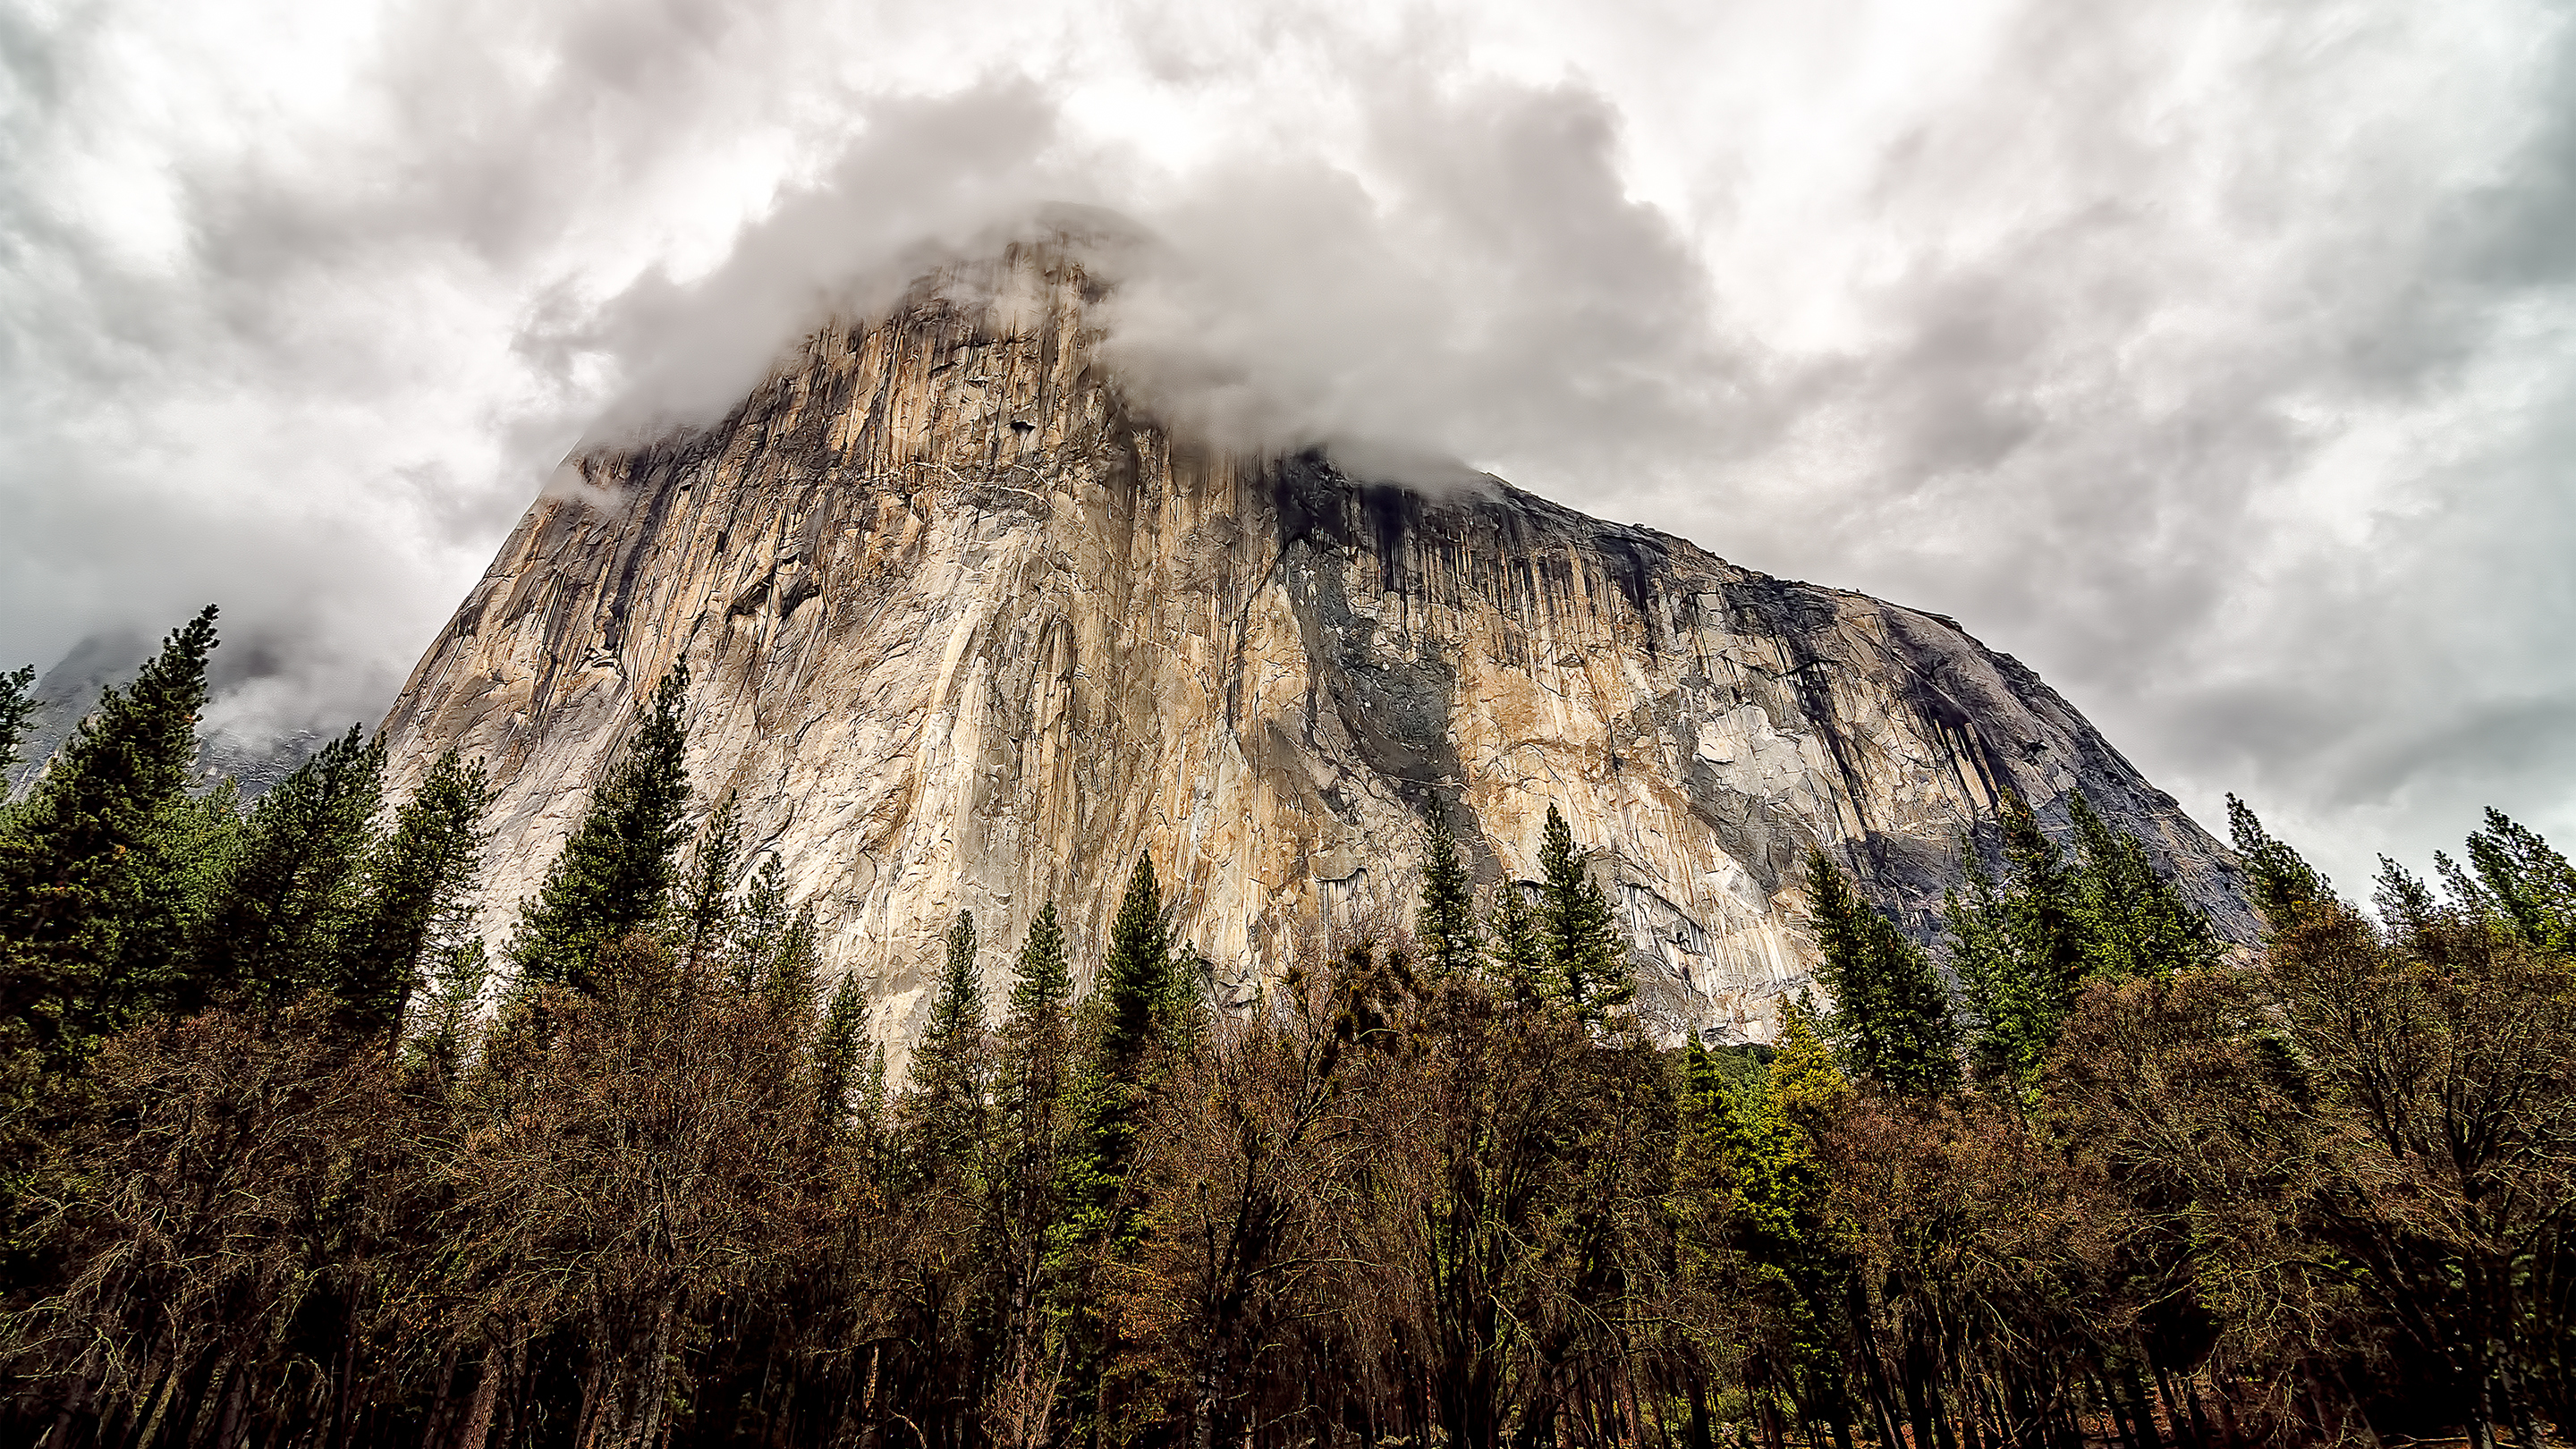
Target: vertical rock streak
967	630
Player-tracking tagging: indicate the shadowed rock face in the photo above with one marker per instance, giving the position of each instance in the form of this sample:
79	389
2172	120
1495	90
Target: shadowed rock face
967	631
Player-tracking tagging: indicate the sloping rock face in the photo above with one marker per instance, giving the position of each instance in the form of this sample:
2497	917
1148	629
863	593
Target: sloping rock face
968	631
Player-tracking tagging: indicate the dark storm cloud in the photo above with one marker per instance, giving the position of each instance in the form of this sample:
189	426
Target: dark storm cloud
2207	356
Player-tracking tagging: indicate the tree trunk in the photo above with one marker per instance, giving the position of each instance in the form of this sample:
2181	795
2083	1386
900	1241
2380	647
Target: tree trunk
487	1392
170	1384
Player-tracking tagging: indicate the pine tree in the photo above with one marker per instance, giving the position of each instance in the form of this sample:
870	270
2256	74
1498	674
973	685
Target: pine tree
942	1109
1041	982
1980	952
1892	1016
2133	923
838	1067
289	907
17	709
1029	1105
418	896
2044	906
2278	880
2532	886
1446	928
1034	1039
1513	946
455	975
762	923
1103	1100
790	976
1587	955
94	903
704	911
2019	947
614	875
1135	979
1109	1086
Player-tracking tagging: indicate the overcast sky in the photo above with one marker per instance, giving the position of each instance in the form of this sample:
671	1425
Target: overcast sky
2217	360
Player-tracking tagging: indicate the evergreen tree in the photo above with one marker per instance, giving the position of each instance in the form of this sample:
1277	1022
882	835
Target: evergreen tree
790	977
1587	955
1515	946
2044	907
2019	948
17	708
1446	928
456	972
1034	1042
1106	1096
760	927
1029	1132
839	1067
1041	982
942	1109
614	875
2133	922
2279	881
94	897
1892	1016
289	908
2532	887
705	909
418	897
1135	979
1980	952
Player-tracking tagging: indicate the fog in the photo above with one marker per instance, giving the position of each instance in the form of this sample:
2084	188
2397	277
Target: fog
2213	359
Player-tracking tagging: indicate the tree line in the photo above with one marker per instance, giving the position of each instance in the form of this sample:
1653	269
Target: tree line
284	1159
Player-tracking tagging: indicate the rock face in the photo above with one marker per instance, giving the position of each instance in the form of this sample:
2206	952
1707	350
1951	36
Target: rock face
966	630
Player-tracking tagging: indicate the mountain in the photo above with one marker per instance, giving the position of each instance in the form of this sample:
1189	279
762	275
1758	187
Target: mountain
967	629
255	757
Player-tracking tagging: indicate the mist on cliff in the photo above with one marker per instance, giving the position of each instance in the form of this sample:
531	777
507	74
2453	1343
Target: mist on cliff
2210	357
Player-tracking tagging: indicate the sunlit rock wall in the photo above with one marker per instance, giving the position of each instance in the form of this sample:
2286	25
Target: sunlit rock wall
967	631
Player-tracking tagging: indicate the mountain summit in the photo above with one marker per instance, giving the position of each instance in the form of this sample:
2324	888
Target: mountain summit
967	629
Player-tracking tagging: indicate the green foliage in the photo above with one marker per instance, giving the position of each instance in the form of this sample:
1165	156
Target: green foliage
1514	945
2131	920
838	1066
2532	887
2023	946
416	918
455	972
1446	928
1031	1069
1892	1018
703	915
1135	978
760	924
290	908
789	966
614	875
942	1109
1041	982
17	709
101	868
1587	953
2278	880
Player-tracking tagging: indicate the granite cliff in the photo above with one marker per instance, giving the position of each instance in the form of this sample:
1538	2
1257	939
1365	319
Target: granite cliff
968	630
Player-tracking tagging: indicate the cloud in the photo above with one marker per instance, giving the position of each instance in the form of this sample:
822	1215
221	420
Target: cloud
2212	357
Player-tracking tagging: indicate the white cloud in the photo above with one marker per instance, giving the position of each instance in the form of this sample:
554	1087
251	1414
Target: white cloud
2210	356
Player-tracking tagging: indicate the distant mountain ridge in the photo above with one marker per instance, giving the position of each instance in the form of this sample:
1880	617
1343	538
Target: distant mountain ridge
68	691
968	629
